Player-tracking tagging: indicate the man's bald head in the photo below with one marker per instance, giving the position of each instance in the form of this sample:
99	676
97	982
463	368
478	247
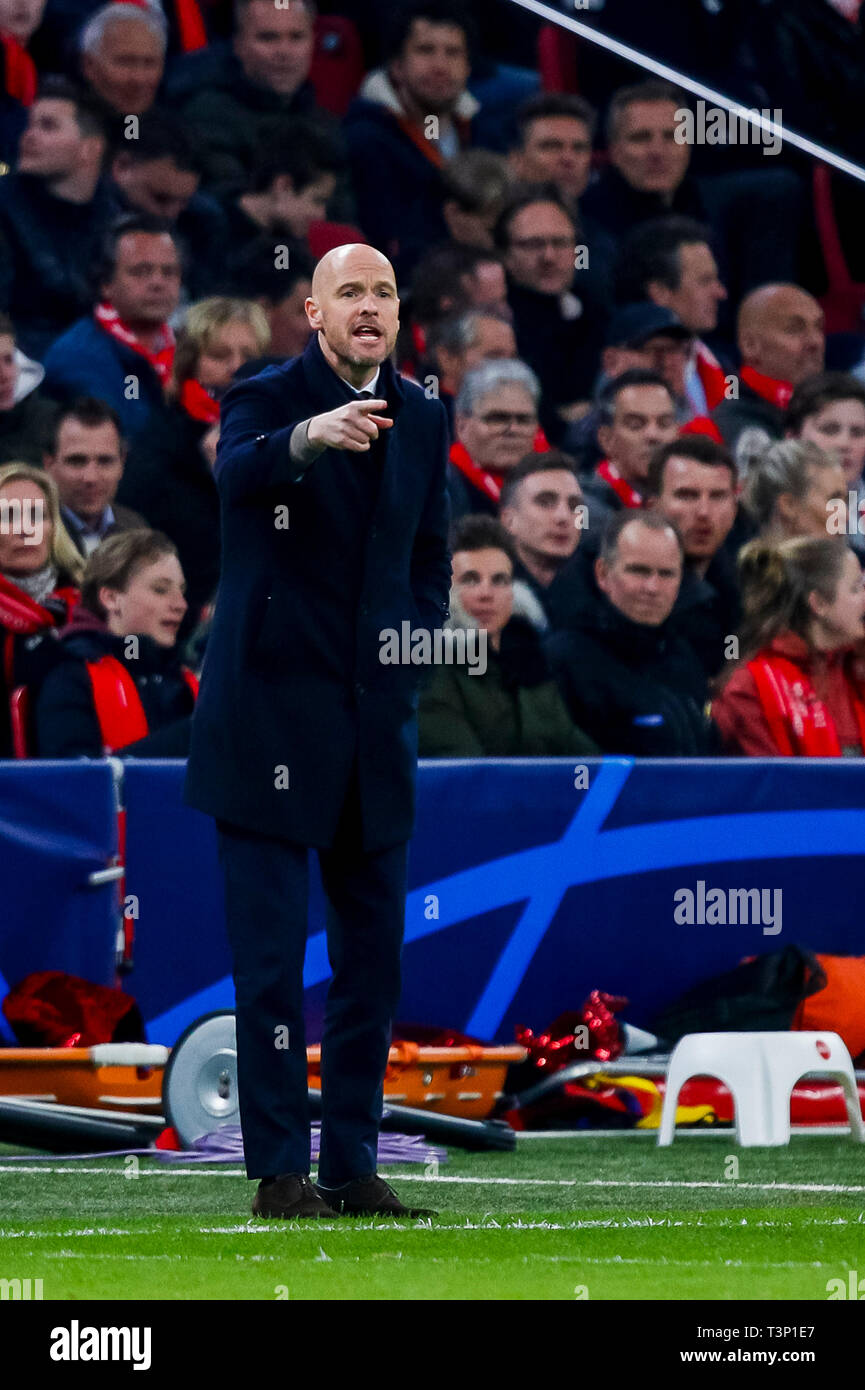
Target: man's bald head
780	329
354	307
346	261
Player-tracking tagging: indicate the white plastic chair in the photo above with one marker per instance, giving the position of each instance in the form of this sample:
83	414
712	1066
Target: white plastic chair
760	1070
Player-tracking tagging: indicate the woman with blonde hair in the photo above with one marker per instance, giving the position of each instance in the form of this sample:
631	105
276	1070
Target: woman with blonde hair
40	570
168	476
798	690
791	487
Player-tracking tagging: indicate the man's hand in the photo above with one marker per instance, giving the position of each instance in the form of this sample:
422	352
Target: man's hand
353	426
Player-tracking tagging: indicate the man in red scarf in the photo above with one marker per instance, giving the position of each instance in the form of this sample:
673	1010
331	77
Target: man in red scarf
782	341
124	352
637	414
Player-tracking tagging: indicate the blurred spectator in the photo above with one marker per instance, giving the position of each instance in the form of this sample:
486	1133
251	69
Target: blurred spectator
411	117
262	79
791	488
168	475
542	511
829	410
281	293
286	190
637	414
39	573
26	417
120	683
798	690
159	172
559	327
781	341
124	352
54	213
476	185
449	279
507	705
755	214
628	678
669	261
693	482
122	56
86	461
496	422
638	335
462	342
555	146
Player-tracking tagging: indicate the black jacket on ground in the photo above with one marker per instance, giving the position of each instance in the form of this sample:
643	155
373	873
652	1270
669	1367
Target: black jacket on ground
316	565
64	718
168	479
635	690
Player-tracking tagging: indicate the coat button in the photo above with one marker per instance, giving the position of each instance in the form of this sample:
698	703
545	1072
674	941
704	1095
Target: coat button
359	689
364	609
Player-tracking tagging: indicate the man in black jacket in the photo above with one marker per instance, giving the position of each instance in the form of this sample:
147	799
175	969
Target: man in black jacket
334	525
628	679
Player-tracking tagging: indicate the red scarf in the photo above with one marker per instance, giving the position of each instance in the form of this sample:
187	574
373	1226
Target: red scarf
197	402
19	69
611	475
162	360
799	722
769	388
712	376
486	481
21	616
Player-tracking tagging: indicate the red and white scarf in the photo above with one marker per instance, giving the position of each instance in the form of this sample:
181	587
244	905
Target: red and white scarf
162	360
611	475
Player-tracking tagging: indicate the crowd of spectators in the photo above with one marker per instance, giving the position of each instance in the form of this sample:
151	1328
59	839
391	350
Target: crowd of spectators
656	464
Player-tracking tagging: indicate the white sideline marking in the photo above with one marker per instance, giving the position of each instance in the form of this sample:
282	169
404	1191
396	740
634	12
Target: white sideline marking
476	1182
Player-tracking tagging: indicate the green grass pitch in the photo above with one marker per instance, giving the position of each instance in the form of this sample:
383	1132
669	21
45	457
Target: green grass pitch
588	1217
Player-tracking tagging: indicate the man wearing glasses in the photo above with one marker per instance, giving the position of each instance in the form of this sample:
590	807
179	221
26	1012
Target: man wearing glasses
556	300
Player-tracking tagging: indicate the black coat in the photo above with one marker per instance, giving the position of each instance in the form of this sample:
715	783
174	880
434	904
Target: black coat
64	719
634	689
293	690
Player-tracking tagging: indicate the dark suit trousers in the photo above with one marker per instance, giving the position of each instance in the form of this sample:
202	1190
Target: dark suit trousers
266	897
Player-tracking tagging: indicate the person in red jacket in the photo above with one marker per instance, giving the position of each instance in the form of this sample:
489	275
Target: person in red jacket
40	569
799	690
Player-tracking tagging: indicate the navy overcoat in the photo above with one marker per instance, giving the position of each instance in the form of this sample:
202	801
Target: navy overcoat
316	565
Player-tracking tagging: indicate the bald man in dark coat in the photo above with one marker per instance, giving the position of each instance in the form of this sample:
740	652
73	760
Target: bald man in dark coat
334	529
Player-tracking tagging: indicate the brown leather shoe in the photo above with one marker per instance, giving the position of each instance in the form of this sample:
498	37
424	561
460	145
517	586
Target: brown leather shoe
369	1197
289	1196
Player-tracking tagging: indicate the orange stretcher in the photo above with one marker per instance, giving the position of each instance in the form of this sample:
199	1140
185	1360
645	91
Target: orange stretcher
465	1081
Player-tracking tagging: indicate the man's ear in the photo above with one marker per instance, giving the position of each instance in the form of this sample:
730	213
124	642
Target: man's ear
313	313
107	597
602	574
604	433
659	293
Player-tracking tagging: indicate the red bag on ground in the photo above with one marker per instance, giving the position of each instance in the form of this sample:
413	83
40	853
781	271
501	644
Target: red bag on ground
52	1009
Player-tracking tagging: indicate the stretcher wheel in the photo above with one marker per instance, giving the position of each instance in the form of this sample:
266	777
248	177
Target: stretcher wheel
199	1089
